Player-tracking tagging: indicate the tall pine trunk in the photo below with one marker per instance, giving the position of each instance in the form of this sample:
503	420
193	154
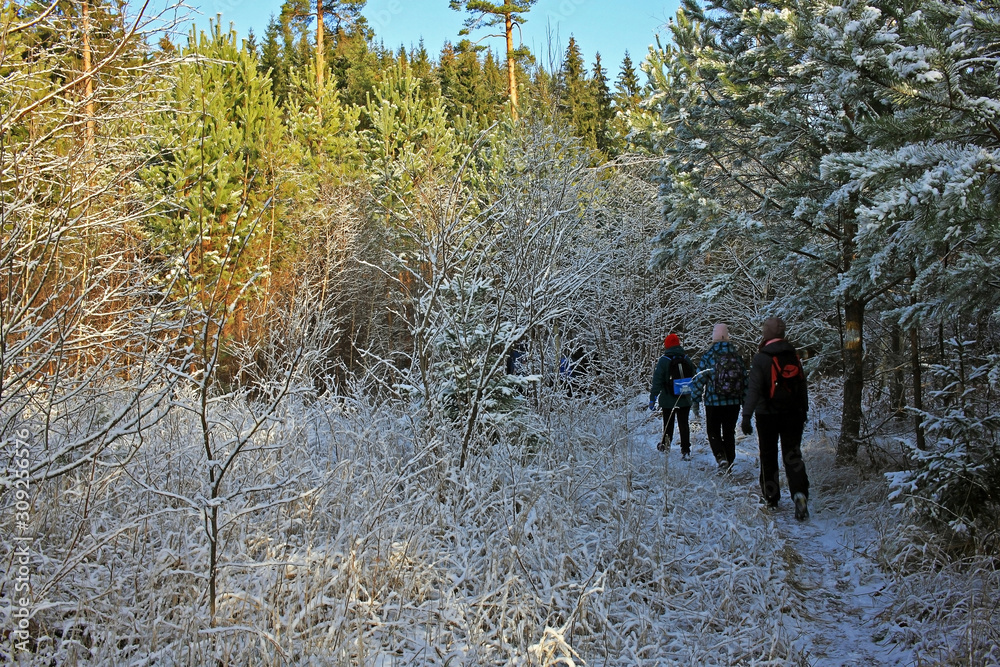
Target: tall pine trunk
511	70
90	131
320	60
89	136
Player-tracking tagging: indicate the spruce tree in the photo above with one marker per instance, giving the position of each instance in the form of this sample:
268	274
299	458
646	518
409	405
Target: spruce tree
627	88
604	113
576	96
474	89
250	44
423	68
492	90
543	99
354	63
272	61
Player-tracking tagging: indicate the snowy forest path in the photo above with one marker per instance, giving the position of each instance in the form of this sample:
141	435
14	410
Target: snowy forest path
830	592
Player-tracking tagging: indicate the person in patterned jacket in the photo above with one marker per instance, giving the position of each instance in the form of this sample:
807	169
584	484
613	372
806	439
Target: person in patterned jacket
720	381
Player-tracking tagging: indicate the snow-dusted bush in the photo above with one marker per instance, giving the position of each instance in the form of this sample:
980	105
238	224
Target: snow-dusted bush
497	272
955	481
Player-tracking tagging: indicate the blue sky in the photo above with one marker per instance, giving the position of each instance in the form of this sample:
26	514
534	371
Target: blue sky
606	26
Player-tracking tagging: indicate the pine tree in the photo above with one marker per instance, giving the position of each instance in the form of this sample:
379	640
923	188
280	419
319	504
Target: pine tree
220	141
324	134
330	16
408	144
510	14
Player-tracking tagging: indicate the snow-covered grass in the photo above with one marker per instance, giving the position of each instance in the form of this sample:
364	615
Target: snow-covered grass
351	538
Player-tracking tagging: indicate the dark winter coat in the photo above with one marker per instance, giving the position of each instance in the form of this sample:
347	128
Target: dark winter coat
760	379
703	387
661	381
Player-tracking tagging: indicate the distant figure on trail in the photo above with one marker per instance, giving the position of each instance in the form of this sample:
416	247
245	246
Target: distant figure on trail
674	393
573	369
721	382
778	397
514	357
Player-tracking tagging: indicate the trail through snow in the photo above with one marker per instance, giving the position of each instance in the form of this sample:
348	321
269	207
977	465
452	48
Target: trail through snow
829	559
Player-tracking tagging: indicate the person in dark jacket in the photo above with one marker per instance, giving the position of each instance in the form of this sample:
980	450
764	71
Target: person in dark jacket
674	407
778	421
720	381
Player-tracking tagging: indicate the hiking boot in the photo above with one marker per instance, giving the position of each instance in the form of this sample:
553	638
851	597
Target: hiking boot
725	467
660	447
685	456
801	506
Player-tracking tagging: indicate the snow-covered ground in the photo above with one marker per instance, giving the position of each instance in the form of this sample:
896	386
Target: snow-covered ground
827	576
349	539
839	602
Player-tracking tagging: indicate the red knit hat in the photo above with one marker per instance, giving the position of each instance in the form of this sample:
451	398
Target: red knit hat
672	341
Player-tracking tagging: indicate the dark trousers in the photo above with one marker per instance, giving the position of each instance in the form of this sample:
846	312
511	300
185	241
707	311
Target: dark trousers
720	422
787	429
681	416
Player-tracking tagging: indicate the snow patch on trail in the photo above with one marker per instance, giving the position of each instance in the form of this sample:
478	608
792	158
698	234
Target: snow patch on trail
832	592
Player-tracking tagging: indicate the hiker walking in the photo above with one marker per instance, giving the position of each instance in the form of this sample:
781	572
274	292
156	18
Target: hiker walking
674	397
778	397
720	381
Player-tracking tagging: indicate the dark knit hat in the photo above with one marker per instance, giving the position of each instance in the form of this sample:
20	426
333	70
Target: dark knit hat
672	341
774	327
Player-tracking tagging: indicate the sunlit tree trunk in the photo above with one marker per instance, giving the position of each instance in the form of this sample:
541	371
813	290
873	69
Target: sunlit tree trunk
320	63
88	92
511	70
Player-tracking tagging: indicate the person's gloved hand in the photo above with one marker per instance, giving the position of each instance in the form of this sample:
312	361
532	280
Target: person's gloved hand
746	427
652	405
696	409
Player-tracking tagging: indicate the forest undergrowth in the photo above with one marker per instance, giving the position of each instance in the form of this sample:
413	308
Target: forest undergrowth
348	539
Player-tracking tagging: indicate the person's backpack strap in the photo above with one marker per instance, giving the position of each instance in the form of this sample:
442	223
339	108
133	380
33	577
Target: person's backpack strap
681	373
